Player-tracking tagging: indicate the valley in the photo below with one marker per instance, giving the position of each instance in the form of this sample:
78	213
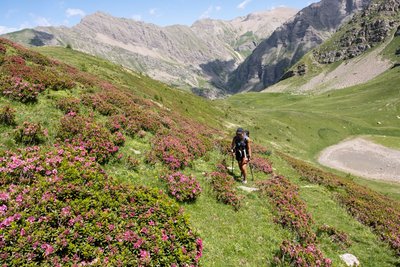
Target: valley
109	156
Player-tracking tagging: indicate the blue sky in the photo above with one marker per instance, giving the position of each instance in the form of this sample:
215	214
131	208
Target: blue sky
18	14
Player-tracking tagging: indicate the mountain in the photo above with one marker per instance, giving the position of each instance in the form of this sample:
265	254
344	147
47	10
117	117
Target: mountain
307	29
197	57
370	38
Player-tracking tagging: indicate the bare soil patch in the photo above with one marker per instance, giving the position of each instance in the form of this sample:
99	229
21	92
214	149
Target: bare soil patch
363	158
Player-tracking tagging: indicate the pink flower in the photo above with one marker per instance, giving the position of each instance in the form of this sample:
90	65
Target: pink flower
3	209
145	255
4	196
138	243
164	237
19	199
48	249
129	236
199	244
66	211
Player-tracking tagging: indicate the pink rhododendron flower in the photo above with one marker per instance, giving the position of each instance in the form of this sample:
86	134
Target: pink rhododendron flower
48	249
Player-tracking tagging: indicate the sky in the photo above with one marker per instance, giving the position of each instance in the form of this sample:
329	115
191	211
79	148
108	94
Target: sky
19	14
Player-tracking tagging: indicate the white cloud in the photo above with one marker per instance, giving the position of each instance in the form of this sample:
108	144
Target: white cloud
137	17
206	14
5	29
276	7
70	12
243	4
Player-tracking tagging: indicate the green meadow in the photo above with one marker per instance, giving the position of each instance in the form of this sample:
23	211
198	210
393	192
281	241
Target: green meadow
298	125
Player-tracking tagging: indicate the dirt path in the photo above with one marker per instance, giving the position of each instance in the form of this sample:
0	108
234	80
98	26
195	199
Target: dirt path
363	158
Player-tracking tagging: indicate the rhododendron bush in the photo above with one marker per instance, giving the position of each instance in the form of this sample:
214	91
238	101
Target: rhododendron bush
25	74
224	187
178	148
7	116
96	139
182	187
290	208
292	254
261	164
292	214
57	207
28	133
18	89
68	104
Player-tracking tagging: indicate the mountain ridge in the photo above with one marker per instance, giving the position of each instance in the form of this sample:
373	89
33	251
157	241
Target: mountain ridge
198	57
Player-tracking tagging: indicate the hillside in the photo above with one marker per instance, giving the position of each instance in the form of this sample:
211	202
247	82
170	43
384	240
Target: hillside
197	58
109	167
275	55
370	38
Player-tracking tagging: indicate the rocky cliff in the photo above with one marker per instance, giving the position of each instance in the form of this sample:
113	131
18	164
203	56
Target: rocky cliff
367	29
308	29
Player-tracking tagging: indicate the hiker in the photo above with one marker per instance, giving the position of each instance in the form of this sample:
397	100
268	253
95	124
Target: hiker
240	147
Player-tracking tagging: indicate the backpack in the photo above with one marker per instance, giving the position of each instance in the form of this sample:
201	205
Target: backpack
241	145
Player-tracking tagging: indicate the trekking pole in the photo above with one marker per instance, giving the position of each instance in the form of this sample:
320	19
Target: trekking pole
232	164
251	170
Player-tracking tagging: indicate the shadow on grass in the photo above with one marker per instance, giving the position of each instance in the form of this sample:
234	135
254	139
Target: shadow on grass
237	177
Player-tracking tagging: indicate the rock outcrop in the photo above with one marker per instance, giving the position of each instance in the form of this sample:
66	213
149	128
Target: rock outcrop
365	30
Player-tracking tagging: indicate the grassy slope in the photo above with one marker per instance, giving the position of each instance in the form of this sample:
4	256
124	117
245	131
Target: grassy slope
249	237
181	101
329	117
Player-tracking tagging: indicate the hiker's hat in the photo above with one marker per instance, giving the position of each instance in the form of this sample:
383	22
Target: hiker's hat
239	130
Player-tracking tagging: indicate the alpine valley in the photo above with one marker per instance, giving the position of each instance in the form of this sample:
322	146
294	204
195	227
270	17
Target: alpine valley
115	140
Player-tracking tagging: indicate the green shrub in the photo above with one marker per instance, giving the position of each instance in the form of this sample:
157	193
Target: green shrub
7	116
29	133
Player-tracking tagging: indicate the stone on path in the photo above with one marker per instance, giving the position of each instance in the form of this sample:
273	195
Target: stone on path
309	186
248	189
350	259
